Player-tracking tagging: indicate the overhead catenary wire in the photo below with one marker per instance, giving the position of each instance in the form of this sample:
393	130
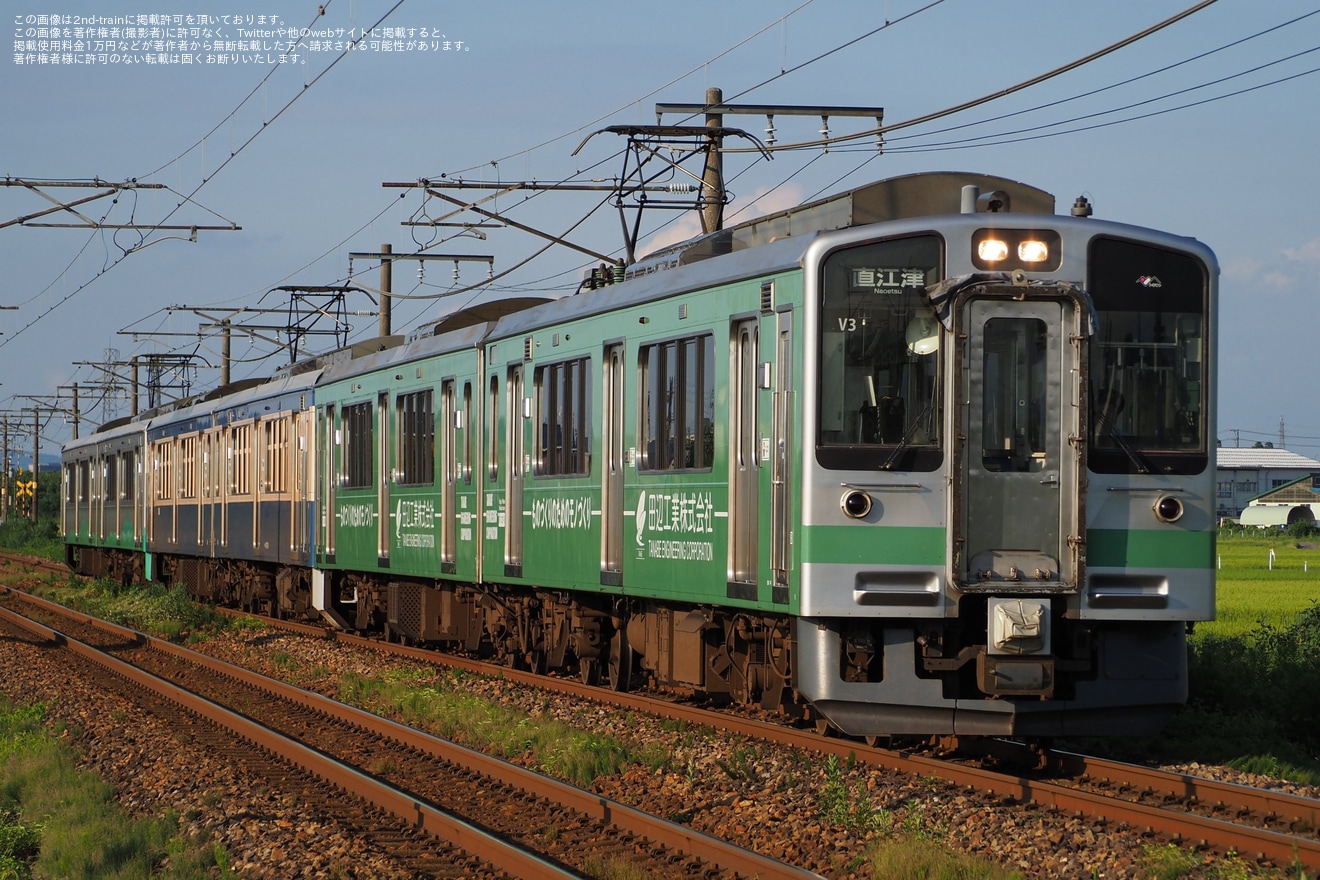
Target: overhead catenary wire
975	102
207	179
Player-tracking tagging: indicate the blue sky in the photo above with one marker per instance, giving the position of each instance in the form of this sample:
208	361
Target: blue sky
1175	150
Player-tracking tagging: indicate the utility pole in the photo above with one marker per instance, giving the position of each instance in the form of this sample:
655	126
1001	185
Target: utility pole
36	459
712	184
225	333
386	288
712	178
4	488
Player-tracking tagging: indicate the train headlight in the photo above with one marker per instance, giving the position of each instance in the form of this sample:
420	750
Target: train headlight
992	250
1168	509
855	503
1002	250
1033	251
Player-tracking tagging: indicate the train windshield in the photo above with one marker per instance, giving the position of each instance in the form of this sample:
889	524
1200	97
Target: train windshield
880	398
1147	364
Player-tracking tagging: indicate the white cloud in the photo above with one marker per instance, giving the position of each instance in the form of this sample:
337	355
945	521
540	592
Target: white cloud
1308	253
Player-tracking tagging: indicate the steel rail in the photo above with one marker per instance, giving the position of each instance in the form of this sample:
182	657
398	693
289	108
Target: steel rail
720	853
1278	805
1219	834
495	851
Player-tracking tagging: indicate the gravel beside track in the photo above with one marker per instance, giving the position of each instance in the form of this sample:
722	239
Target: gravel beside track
757	795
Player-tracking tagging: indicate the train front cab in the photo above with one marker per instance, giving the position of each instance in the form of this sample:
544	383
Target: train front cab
1008	514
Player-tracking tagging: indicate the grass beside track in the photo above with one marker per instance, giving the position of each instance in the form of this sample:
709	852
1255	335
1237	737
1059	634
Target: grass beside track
58	821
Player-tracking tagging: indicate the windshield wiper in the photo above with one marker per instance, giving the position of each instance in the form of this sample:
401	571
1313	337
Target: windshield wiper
906	440
1132	454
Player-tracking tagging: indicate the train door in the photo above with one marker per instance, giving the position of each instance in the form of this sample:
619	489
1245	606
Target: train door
207	514
1016	520
330	442
781	524
611	558
301	490
384	476
449	420
96	507
514	446
744	464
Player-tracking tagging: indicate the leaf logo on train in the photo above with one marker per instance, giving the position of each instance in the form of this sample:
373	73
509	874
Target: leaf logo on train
677	521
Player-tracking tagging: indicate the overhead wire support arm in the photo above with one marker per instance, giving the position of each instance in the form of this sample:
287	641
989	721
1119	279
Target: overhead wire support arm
106	188
671	146
492	215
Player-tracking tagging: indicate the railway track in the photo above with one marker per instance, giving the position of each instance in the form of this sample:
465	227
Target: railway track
1266	826
516	822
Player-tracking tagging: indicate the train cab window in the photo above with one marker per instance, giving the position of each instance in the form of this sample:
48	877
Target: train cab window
1147	365
1014	373
880	352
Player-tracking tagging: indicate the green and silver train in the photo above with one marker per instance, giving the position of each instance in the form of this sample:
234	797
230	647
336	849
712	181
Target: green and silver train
924	458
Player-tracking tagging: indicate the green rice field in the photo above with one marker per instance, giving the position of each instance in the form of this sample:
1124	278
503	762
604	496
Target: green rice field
1249	593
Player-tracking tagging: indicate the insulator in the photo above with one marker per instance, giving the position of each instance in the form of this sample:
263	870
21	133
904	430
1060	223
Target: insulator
455	271
679	188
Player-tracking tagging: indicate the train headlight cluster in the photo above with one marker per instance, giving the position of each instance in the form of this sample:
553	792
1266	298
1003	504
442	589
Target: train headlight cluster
1168	509
856	504
1004	249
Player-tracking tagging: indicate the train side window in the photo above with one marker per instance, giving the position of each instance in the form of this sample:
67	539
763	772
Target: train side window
563	417
358	439
416	453
276	455
128	462
678	404
162	467
240	455
492	430
111	478
188	467
468	431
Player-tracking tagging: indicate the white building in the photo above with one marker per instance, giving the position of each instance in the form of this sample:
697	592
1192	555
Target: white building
1298	501
1243	474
